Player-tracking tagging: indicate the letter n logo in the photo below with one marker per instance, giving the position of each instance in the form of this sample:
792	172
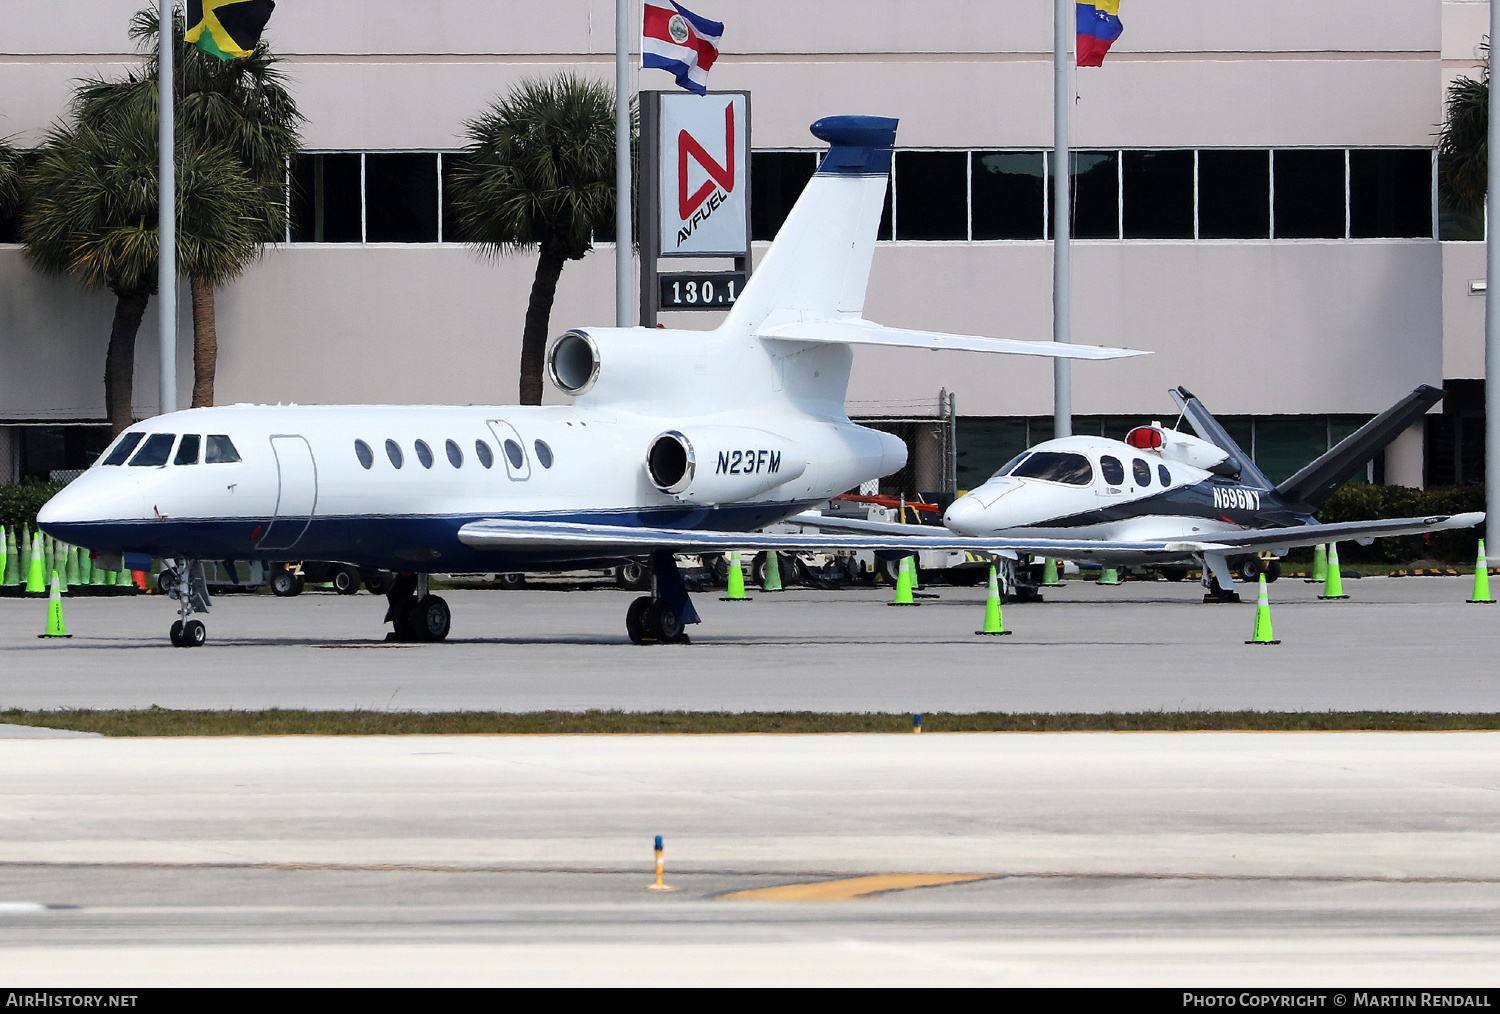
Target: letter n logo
723	175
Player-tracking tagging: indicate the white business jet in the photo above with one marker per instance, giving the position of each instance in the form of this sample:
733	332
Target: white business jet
676	441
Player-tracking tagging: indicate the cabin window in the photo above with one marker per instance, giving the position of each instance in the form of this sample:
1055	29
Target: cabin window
1010	466
187	451
1164	475
514	453
1057	466
364	454
393	451
155	451
1142	472
543	453
484	454
220	450
1113	471
424	454
455	456
123	448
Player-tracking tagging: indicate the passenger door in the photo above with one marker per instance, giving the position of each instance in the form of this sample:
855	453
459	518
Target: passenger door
297	492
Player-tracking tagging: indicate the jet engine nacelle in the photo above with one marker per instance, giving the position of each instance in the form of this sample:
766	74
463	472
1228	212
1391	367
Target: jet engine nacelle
721	464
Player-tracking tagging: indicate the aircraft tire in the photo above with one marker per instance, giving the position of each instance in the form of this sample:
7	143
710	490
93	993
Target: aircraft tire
633	576
175	634
429	619
663	623
510	582
194	633
346	580
635	619
285	584
1174	573
1273	571
1249	569
378	582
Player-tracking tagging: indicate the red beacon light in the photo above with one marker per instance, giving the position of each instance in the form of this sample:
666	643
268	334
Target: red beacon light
1147	438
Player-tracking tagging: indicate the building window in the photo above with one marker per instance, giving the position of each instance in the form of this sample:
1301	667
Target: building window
1095	191
1390	194
401	197
326	198
777	179
1309	194
1158	194
932	195
1009	191
1234	194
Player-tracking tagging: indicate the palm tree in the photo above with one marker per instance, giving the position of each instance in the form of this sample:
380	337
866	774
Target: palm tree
1463	140
91	211
241	106
10	178
539	172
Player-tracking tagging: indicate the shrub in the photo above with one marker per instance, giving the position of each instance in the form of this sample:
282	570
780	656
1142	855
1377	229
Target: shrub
19	502
1360	501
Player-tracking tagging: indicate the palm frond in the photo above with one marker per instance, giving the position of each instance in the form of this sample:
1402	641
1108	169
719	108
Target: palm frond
1463	140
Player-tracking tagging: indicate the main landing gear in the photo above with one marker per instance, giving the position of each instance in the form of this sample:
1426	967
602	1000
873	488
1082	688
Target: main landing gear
662	616
183	580
415	614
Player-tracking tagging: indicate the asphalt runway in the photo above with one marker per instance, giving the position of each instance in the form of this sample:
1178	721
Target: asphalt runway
1397	644
1173	859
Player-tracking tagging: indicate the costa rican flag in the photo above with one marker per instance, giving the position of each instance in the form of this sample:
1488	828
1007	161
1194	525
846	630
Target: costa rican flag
675	39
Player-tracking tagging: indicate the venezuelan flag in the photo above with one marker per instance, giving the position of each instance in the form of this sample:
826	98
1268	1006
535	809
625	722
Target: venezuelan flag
1098	26
227	28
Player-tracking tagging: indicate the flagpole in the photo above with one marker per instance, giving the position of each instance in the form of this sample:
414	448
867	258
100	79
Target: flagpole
1492	303
624	311
166	286
1062	323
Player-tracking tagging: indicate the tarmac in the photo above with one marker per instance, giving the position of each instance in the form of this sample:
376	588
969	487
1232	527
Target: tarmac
1164	859
1397	644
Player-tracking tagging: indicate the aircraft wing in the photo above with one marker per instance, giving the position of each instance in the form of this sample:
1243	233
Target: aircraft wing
1312	535
610	540
864	332
1254	539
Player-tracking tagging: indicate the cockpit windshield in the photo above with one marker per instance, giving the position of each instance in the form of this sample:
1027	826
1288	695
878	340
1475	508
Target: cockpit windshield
155	451
123	448
1010	465
1056	466
220	449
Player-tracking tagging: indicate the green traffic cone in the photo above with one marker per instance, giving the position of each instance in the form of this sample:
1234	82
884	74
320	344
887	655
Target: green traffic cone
1262	633
1320	564
903	583
1482	579
736	591
74	576
772	583
55	626
97	574
994	623
1333	588
1049	573
5	552
11	576
1109	575
59	563
35	582
85	567
111	576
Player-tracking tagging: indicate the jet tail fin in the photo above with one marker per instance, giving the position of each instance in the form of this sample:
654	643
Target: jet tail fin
1207	427
819	264
1315	483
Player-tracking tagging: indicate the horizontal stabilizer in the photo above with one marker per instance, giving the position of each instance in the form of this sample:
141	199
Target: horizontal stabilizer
1317	482
864	332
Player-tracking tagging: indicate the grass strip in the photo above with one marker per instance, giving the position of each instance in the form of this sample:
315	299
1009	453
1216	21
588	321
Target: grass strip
168	722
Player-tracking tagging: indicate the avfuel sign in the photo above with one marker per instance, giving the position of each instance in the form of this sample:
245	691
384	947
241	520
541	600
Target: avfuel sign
703	180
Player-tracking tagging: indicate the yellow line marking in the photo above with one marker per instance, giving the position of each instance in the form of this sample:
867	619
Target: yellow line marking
853	887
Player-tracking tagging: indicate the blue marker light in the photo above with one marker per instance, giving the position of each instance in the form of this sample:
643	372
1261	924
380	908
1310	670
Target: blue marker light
658	843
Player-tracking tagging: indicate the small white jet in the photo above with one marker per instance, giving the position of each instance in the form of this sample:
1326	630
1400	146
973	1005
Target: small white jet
1161	485
676	441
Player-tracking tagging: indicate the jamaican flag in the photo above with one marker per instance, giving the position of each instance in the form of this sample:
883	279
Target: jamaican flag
227	28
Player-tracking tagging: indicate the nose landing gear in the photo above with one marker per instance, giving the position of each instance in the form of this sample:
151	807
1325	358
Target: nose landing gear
660	618
183	580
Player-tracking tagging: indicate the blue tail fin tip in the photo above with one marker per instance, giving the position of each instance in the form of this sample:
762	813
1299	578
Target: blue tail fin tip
859	145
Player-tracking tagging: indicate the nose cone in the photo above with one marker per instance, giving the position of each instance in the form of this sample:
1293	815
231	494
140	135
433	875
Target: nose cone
80	512
966	516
